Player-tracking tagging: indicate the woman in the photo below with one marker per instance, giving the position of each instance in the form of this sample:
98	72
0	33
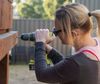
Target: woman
73	26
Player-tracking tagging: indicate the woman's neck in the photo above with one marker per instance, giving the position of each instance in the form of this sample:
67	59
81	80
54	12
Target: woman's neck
87	40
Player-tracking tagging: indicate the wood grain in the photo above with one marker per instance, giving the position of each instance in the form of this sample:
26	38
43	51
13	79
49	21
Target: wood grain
7	41
5	14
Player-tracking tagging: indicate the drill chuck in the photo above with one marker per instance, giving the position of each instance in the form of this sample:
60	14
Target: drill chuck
28	36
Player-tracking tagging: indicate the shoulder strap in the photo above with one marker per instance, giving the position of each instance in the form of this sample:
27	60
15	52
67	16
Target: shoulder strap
91	52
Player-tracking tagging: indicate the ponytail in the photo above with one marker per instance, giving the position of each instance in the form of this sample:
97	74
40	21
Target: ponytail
96	14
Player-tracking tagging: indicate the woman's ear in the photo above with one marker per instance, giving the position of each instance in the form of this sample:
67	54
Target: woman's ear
74	33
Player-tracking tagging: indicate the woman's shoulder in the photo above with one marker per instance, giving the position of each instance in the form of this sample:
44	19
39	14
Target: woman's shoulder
78	56
82	58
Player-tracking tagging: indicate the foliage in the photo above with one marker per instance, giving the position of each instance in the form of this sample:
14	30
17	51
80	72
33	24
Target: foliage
17	1
50	7
31	9
62	2
39	8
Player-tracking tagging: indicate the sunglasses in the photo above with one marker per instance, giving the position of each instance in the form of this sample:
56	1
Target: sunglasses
56	32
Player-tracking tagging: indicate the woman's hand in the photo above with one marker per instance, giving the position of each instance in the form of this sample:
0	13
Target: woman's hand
48	48
43	35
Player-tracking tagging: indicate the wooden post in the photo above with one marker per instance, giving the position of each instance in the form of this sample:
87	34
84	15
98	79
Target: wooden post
4	69
8	39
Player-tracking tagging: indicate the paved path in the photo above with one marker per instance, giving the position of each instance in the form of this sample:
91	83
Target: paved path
20	74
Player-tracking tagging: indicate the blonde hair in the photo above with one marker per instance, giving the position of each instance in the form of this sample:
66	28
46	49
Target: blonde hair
74	16
96	14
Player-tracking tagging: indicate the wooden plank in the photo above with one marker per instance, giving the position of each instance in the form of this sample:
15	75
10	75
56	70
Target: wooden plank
10	1
2	31
7	41
4	69
0	12
6	14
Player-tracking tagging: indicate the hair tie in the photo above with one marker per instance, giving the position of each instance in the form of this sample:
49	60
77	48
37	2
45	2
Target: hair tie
89	14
